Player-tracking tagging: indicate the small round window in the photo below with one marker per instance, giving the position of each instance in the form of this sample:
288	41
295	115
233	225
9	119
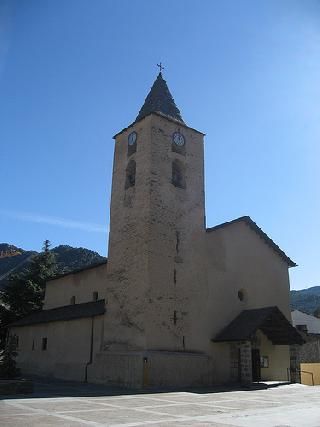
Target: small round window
241	295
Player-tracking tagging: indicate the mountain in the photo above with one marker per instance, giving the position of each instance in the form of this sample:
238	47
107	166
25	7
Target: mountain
14	259
70	258
306	300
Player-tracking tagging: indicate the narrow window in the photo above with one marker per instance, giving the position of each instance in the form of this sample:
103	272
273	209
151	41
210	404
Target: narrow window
264	361
32	345
72	300
175	318
130	174
178	174
95	296
44	345
177	242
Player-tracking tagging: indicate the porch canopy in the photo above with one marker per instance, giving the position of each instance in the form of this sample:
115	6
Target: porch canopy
269	320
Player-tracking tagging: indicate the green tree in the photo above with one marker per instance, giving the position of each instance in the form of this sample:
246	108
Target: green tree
24	292
8	368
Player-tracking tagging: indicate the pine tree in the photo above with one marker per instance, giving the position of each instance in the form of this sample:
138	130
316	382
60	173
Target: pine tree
24	292
8	368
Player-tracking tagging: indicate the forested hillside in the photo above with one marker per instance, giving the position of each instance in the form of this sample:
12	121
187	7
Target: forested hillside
307	300
14	259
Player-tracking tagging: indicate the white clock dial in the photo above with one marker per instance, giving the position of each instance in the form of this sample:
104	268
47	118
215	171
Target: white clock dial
132	138
178	139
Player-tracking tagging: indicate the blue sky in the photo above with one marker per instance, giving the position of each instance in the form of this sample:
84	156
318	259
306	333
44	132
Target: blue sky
245	72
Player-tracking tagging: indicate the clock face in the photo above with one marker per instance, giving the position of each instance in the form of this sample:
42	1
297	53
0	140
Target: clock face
178	139
132	138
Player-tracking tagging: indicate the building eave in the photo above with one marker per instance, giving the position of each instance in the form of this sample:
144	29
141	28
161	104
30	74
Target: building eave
270	320
158	113
62	314
79	270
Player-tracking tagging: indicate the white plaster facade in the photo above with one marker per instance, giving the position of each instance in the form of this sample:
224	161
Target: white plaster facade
170	285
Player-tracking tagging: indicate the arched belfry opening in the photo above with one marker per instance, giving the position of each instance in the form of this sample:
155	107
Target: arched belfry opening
130	174
178	174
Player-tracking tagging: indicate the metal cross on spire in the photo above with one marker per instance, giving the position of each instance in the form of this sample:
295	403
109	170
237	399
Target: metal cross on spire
161	67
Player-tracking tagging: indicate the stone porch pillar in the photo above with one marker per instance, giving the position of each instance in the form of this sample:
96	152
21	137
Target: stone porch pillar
245	363
295	376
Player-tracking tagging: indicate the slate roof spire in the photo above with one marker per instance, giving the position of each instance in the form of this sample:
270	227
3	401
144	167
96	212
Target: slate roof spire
160	100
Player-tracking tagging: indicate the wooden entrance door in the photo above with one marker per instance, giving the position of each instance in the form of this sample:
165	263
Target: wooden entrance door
256	367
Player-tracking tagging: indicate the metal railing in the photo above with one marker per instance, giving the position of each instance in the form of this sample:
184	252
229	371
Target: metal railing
299	371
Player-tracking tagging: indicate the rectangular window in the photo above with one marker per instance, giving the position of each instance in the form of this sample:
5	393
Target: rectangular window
95	296
32	345
264	362
44	345
72	300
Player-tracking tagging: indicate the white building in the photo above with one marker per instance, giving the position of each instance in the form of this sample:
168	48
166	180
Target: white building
305	322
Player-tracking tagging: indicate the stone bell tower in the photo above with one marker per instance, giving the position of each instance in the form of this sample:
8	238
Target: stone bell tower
156	267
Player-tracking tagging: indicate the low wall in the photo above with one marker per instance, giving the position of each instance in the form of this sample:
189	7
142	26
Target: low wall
310	373
121	369
310	351
177	369
151	369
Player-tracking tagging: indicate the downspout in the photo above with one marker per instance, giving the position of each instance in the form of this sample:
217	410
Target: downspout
91	350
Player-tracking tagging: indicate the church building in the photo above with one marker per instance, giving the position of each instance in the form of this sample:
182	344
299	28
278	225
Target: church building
176	304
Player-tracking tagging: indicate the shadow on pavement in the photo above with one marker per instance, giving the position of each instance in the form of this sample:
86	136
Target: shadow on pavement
49	388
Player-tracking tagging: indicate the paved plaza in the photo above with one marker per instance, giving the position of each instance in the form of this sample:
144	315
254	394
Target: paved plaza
88	405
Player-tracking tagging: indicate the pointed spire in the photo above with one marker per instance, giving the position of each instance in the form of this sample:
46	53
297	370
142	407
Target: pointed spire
160	100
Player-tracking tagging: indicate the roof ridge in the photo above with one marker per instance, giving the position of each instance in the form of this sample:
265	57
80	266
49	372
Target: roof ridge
253	225
158	113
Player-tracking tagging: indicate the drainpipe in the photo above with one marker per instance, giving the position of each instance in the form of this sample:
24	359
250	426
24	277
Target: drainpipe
91	350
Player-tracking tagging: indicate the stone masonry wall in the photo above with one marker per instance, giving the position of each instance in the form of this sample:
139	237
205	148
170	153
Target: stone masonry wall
245	363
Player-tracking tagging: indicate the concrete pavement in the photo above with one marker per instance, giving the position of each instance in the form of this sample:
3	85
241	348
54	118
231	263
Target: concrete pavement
83	405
